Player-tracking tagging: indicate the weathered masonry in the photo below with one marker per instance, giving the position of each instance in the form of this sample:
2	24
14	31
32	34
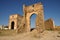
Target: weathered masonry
22	23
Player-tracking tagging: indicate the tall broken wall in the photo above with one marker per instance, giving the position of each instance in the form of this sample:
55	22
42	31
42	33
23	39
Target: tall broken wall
49	24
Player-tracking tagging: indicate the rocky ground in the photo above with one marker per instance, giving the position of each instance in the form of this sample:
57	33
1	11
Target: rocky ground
46	35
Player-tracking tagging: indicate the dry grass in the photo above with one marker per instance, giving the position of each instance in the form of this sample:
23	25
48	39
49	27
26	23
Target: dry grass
47	35
7	32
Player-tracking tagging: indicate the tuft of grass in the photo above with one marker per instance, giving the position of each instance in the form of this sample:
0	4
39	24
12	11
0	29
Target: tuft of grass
59	32
36	36
49	29
58	35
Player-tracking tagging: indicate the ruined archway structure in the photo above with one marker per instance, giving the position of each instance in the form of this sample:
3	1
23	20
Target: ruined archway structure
38	10
14	20
25	20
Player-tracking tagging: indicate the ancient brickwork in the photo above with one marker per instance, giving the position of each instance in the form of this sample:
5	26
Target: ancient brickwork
49	24
14	21
34	9
22	24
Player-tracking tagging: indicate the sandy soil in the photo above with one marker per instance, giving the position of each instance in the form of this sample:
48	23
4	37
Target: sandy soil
46	35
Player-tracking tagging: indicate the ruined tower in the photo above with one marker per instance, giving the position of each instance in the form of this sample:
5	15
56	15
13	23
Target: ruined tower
14	21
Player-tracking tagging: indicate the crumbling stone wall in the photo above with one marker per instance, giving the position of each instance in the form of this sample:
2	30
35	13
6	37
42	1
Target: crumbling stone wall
16	18
49	24
34	9
22	24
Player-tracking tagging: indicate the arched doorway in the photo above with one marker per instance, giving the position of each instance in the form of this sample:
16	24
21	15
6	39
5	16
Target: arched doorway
12	25
34	9
33	21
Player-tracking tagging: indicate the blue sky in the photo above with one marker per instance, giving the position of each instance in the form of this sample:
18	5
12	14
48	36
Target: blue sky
8	7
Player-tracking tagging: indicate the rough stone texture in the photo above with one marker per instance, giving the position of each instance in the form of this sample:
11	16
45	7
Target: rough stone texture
49	24
34	9
23	23
16	19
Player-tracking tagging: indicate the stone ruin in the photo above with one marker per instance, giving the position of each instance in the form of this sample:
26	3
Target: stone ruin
49	24
22	23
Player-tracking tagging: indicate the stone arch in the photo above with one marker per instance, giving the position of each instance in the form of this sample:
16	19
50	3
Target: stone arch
12	25
38	10
28	20
39	21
